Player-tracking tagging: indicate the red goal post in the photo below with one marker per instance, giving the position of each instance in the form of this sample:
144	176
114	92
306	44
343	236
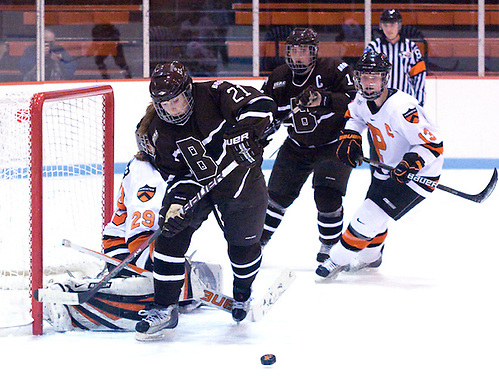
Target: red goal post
70	161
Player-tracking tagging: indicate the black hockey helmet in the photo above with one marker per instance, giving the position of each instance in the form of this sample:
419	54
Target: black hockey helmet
390	16
306	37
170	80
372	63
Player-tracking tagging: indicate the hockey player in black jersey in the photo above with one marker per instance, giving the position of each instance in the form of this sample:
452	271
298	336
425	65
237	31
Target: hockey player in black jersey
199	129
320	86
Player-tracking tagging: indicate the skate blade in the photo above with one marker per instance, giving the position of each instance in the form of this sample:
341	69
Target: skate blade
164	334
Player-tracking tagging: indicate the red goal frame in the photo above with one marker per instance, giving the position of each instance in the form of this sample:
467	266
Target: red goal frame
36	177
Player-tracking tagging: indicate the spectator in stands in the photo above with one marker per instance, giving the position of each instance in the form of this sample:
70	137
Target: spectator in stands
351	31
59	65
109	33
198	33
409	68
221	19
4	48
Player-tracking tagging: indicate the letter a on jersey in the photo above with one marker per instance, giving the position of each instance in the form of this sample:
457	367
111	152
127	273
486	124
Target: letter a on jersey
411	115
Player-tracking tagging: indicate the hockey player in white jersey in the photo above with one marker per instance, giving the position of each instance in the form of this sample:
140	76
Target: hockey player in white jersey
119	306
404	138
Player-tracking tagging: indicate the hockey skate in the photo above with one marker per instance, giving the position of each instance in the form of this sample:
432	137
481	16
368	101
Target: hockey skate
241	304
158	322
324	252
328	269
357	265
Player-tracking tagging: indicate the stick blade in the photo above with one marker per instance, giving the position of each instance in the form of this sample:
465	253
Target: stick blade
484	194
56	296
263	305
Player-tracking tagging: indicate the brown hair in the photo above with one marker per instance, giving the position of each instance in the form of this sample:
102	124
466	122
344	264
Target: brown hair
143	127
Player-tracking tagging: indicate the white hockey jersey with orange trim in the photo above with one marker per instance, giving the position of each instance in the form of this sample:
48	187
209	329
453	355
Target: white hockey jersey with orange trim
398	127
137	206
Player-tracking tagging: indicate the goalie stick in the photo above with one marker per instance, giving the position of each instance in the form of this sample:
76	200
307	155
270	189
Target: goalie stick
479	198
114	261
106	258
55	296
258	308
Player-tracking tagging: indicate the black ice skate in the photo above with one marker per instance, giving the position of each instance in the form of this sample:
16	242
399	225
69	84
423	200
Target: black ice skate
241	304
328	269
157	323
324	252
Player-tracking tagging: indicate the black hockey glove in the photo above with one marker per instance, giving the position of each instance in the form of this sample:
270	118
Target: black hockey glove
349	149
411	163
170	220
312	97
243	143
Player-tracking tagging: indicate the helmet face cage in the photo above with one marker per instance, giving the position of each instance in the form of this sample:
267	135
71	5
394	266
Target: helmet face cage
145	145
178	119
169	81
372	63
303	38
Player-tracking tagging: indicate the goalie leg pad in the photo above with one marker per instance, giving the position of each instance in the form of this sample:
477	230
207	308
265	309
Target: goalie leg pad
57	314
115	307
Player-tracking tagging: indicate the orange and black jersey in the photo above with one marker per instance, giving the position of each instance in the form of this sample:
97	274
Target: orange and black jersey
192	154
314	126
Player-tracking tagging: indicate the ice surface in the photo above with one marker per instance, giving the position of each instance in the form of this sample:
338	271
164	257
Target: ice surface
429	311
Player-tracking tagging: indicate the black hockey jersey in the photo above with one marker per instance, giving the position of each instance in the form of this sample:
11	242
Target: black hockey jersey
190	155
314	126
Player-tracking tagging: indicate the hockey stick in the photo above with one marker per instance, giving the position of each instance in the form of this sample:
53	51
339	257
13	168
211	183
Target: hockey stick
55	296
479	198
263	305
106	258
112	260
258	308
277	124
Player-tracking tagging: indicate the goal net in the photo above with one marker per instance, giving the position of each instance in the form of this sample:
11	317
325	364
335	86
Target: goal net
56	182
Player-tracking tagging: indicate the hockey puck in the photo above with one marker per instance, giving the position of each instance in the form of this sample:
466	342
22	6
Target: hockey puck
267	359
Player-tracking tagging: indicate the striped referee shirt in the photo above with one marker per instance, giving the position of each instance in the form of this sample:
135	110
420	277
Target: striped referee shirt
408	67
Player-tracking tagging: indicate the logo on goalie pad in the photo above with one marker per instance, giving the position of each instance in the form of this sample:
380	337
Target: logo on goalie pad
93	284
217	300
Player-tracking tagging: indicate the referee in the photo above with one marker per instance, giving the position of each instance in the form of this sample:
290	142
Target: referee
408	67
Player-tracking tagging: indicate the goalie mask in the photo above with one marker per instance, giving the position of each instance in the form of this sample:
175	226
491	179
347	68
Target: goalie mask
302	47
372	64
171	92
146	145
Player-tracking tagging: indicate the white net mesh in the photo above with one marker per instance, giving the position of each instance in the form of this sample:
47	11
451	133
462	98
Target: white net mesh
73	183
